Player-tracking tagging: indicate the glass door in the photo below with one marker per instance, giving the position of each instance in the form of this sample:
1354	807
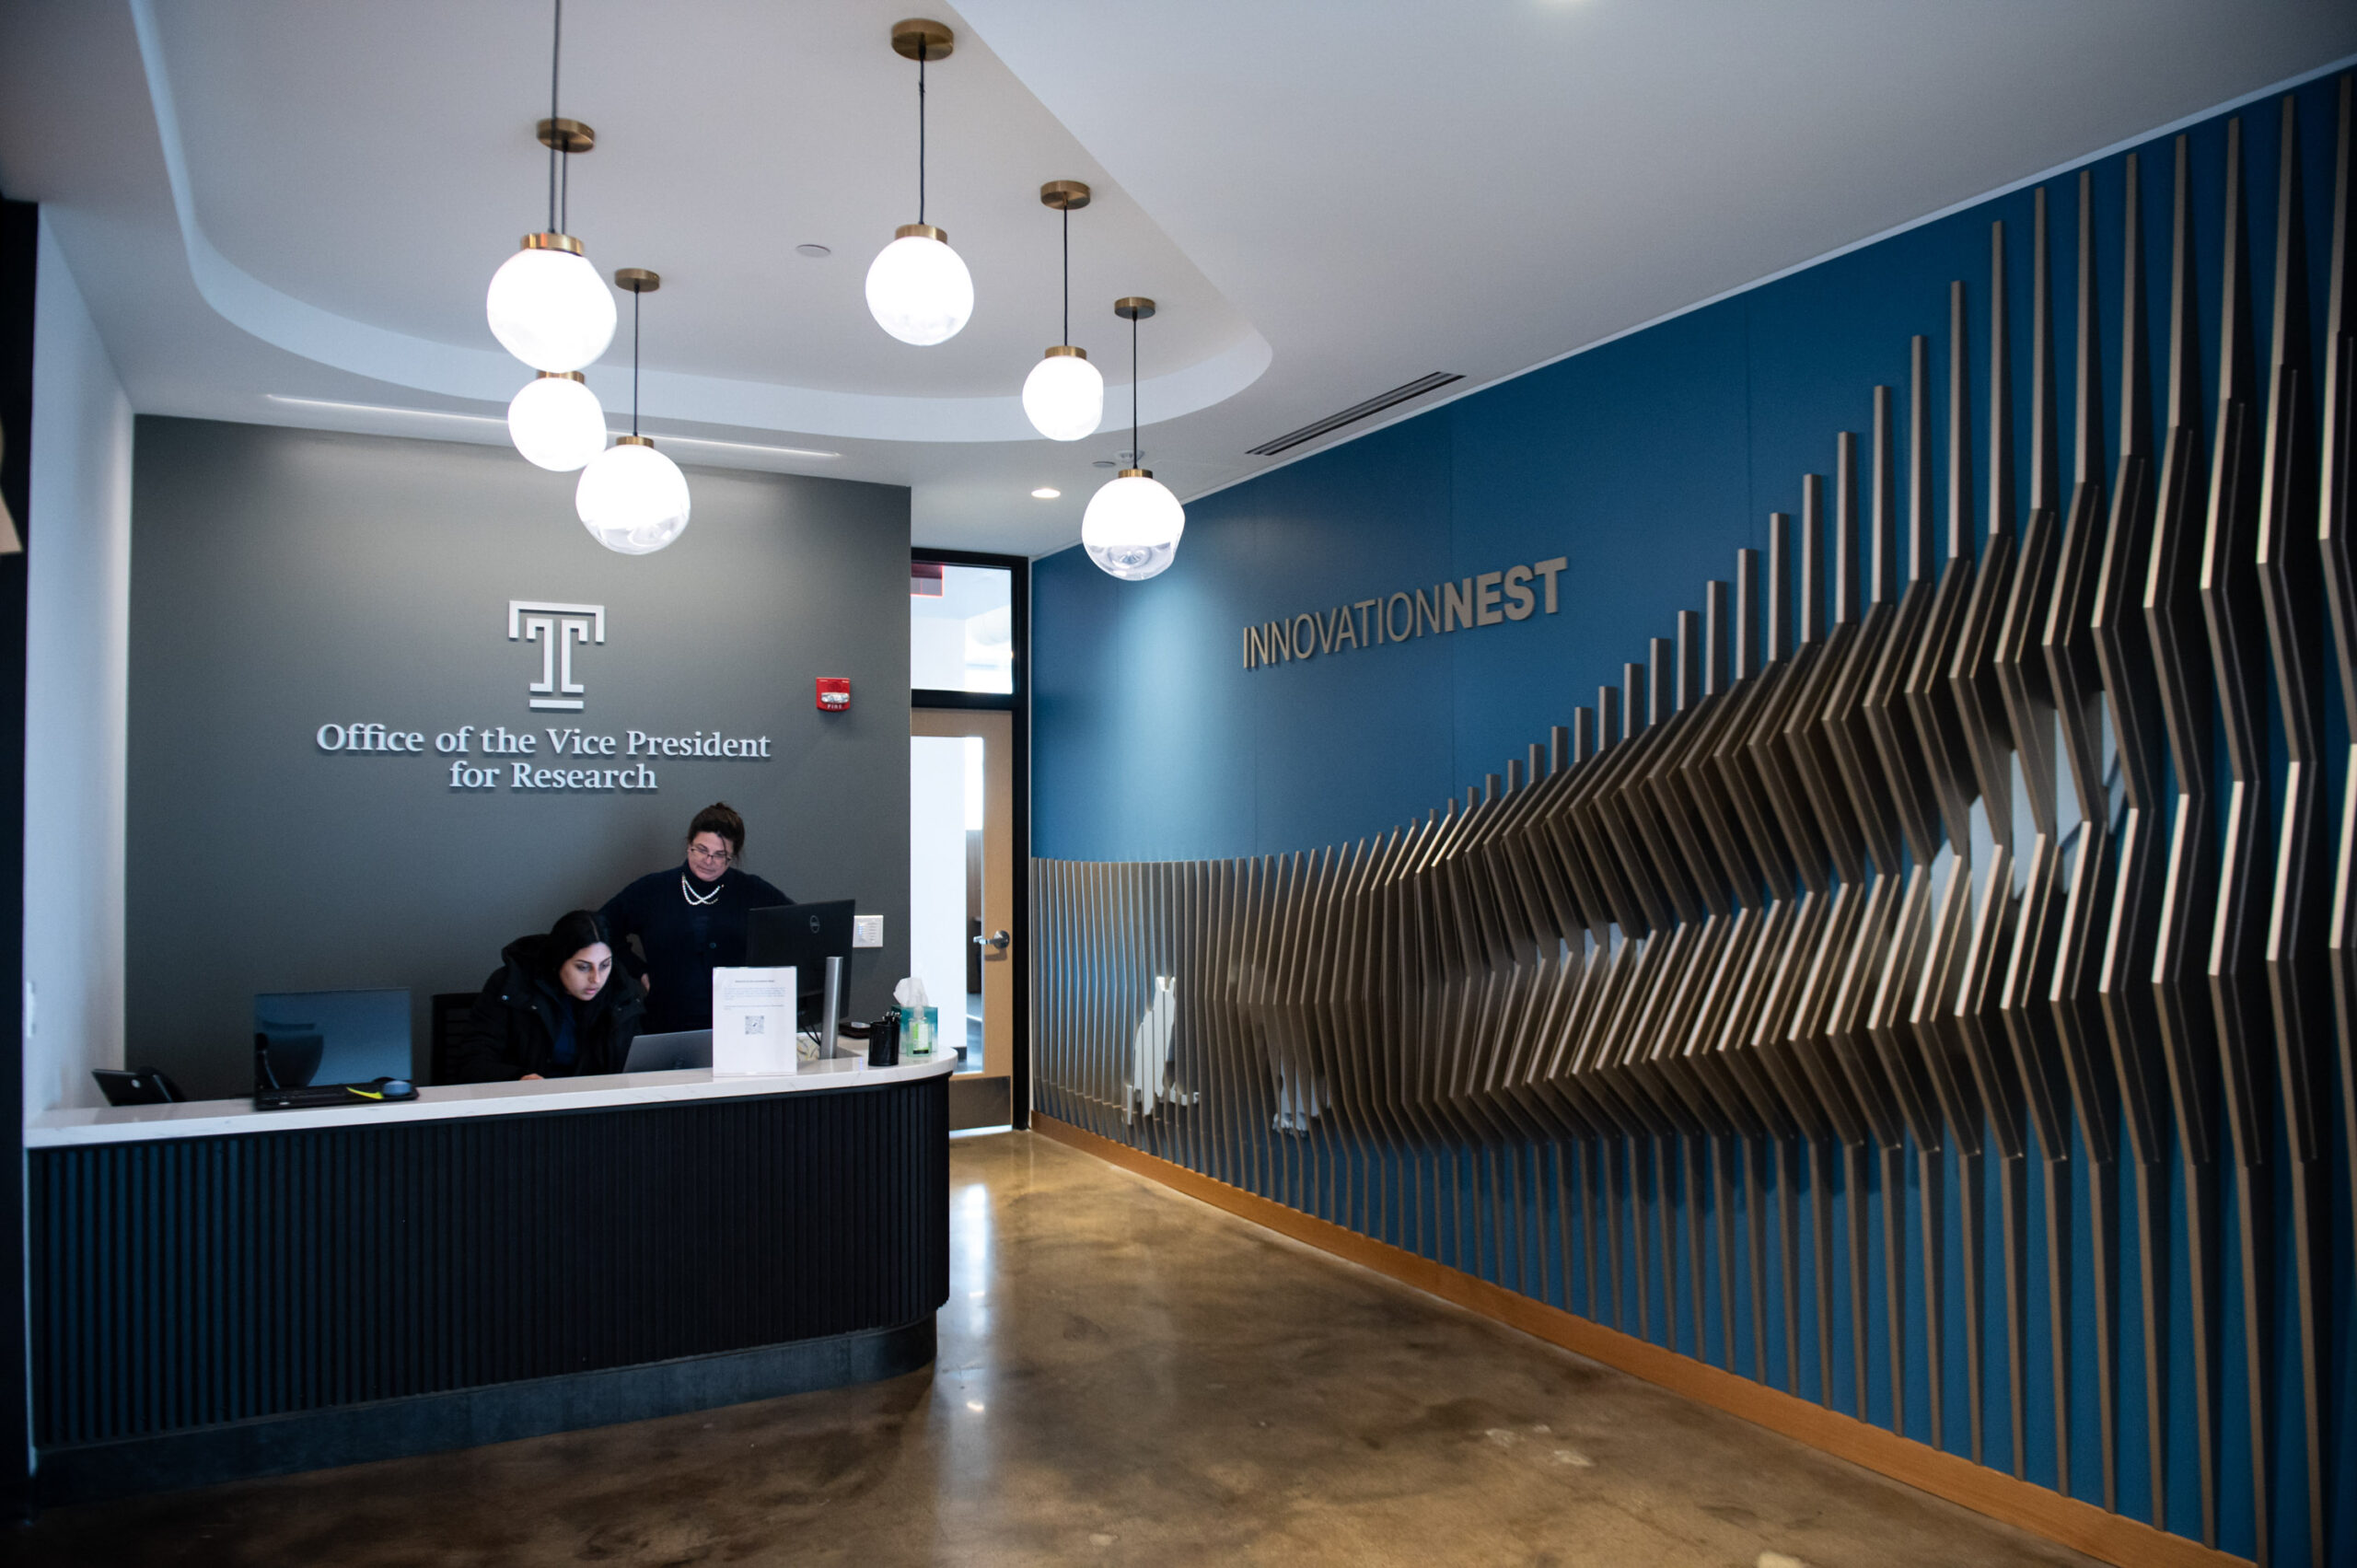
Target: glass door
969	637
961	895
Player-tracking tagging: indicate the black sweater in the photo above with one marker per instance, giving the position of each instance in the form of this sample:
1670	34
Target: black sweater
513	1029
683	942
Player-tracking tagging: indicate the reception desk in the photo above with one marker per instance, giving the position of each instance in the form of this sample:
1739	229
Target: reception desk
218	1292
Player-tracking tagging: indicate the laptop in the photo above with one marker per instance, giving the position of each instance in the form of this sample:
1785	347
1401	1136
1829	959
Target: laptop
669	1052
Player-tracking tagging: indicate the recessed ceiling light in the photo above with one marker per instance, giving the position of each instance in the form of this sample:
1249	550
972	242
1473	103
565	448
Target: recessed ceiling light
1046	493
1103	463
816	252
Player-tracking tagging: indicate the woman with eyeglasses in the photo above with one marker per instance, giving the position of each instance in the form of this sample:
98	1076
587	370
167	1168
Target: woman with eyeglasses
688	920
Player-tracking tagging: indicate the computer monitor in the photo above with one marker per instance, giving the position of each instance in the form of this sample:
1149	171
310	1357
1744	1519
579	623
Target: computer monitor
330	1037
805	936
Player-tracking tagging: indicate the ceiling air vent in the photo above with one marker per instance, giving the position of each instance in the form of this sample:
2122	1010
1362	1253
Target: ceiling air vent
1376	404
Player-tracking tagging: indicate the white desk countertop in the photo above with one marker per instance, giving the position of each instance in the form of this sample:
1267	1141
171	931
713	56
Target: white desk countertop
214	1117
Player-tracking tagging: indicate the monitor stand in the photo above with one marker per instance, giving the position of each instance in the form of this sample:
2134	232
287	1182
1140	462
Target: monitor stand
830	1013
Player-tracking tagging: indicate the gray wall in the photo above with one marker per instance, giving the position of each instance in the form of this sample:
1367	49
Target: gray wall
285	579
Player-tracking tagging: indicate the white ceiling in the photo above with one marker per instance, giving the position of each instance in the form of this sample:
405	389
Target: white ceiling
304	199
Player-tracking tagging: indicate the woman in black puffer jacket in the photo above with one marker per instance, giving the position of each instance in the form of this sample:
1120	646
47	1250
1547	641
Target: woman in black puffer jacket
556	1007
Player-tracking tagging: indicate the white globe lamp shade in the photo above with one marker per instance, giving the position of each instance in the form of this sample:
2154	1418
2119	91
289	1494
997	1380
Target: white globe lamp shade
1064	395
1134	563
556	421
918	289
1132	526
549	308
632	498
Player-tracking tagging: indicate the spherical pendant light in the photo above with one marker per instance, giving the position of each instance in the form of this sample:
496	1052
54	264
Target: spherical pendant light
918	288
632	498
1064	395
556	421
549	308
548	304
1132	526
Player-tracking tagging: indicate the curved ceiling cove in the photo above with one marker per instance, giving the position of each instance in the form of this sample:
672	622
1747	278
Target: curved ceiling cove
754	130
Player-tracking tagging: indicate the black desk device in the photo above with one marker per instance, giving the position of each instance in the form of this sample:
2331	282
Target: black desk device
310	1096
138	1085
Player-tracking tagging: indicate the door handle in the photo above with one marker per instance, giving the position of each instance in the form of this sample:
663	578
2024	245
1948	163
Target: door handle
996	941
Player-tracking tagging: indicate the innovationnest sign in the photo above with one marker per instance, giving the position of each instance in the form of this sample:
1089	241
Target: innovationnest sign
575	759
1489	599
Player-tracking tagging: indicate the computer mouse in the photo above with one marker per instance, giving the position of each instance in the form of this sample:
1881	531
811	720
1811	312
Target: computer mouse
395	1087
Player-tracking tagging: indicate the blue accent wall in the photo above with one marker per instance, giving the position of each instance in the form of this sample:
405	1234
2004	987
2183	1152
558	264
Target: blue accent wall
1648	462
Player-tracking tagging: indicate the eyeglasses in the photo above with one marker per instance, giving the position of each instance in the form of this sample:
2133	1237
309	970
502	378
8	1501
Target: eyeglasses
720	855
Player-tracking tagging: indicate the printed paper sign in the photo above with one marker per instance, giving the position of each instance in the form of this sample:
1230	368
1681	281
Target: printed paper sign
753	1023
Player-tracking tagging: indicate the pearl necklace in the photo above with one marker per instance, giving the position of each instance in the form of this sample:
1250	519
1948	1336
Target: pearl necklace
688	892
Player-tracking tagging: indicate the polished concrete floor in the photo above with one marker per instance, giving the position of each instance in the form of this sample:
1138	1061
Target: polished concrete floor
1126	1377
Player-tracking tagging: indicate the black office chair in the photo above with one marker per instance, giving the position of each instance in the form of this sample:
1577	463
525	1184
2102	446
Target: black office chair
446	1015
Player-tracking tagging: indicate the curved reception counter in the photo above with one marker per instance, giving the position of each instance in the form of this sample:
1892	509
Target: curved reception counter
218	1292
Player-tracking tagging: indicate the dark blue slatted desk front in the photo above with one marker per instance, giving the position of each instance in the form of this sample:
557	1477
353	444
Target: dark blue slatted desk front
218	1292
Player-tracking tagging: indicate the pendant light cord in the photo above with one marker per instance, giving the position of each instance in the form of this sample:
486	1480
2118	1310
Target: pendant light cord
920	53
637	298
1137	457
1066	339
556	48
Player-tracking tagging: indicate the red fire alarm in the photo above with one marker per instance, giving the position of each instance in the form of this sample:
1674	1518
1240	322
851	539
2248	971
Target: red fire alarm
834	694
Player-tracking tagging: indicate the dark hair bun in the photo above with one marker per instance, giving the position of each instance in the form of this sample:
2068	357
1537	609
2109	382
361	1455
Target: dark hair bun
722	818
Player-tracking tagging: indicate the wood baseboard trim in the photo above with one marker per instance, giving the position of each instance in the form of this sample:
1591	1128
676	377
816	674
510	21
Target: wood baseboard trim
2081	1526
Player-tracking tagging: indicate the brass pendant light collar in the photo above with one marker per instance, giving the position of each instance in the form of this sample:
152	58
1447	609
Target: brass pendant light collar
1135	474
921	231
918	38
633	441
1063	195
638	280
1135	307
565	135
565	375
551	240
1066	351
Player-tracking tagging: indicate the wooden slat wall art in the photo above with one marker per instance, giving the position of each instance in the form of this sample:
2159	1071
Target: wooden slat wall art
1974	853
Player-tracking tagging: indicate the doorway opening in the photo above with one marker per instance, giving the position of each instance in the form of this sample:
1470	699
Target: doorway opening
969	824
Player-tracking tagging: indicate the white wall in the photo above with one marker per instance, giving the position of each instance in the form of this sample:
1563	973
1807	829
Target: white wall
77	666
937	940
